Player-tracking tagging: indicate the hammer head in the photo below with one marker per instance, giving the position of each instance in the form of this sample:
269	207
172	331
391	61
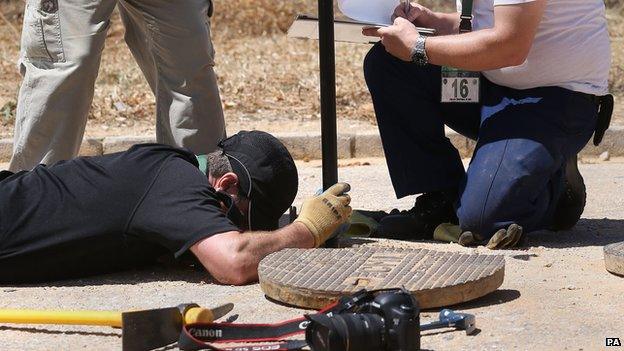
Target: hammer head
463	321
152	329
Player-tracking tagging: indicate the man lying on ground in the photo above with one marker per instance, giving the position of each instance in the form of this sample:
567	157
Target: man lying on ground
545	71
102	214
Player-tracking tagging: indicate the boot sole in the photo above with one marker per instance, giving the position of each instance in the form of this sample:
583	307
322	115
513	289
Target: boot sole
573	199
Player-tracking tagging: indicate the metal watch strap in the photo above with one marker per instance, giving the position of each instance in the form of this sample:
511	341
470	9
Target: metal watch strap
419	52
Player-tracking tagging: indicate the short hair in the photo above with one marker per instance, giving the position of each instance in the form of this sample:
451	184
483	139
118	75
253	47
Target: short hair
218	164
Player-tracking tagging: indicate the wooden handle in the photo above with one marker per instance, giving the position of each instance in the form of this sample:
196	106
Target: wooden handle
103	318
198	315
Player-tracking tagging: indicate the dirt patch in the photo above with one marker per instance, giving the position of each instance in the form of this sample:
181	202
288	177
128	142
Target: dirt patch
556	295
262	74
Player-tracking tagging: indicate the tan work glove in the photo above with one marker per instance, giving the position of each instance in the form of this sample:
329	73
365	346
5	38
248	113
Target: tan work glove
506	238
502	239
323	214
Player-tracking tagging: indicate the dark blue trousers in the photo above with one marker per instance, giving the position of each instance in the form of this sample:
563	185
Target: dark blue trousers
524	138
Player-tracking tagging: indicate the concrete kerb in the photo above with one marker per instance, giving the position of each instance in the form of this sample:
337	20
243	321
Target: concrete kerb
613	143
117	144
308	145
6	150
91	147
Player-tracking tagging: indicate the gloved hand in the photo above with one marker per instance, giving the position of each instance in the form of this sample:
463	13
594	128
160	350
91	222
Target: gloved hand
506	238
323	214
361	225
502	239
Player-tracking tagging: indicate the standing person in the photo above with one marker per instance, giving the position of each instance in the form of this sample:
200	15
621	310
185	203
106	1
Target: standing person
62	43
545	68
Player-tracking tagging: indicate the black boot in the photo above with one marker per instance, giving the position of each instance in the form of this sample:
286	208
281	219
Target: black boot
571	204
430	210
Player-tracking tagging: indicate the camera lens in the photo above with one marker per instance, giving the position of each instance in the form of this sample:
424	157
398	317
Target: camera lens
346	332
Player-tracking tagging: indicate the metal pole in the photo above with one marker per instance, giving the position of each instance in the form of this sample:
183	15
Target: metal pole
327	64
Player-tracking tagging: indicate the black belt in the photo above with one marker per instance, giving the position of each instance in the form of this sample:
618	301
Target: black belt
605	112
594	99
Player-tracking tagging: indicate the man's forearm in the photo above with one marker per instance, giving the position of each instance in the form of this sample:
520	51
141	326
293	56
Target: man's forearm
443	23
233	257
476	51
507	44
254	246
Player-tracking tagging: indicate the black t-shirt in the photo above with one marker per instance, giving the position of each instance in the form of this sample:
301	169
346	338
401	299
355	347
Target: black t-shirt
93	215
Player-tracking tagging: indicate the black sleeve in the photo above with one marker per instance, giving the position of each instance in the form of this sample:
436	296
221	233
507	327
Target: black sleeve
179	210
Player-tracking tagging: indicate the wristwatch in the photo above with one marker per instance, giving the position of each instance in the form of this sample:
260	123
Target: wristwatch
419	54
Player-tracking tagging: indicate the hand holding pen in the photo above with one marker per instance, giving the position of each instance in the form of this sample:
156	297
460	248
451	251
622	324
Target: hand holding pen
406	7
414	13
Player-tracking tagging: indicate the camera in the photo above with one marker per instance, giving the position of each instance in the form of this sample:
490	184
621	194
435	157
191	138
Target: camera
388	320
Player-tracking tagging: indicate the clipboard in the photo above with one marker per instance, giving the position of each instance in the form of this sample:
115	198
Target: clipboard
347	31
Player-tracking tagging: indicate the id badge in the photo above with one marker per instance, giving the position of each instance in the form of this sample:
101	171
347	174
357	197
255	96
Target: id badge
460	86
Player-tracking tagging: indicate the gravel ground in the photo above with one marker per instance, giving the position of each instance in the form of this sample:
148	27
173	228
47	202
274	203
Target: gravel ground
556	294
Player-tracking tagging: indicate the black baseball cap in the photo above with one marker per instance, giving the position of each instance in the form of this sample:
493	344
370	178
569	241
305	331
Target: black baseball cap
267	176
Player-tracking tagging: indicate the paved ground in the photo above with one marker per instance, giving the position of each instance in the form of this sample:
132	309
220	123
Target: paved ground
556	295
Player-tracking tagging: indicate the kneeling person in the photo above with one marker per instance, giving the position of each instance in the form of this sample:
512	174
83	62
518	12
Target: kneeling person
545	69
95	215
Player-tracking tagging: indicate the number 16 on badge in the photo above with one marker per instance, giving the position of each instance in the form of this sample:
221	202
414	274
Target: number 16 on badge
460	86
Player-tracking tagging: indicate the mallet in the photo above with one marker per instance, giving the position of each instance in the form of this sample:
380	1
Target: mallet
141	330
451	319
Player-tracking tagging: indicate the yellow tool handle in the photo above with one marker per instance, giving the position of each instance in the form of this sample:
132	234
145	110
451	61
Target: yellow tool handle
198	315
105	318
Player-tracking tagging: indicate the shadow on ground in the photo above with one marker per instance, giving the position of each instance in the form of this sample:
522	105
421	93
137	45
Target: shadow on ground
58	332
588	232
156	273
497	297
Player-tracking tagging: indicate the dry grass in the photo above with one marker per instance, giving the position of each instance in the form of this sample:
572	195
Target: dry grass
262	74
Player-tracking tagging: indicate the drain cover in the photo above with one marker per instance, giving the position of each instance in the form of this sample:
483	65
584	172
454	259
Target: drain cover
316	278
614	258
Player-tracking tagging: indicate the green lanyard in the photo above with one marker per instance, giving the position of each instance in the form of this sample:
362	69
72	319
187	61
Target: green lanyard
466	17
203	163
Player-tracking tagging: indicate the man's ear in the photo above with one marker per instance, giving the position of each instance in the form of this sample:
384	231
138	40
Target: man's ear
227	183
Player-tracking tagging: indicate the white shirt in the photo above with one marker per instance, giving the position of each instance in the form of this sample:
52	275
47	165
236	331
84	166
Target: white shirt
571	49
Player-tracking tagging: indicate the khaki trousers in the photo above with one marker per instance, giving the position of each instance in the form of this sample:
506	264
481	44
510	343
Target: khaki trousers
62	43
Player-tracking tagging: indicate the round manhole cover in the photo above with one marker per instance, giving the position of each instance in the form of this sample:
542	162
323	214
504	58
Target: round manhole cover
315	278
614	258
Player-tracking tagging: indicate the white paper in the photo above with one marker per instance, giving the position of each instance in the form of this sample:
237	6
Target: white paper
308	27
372	11
349	31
